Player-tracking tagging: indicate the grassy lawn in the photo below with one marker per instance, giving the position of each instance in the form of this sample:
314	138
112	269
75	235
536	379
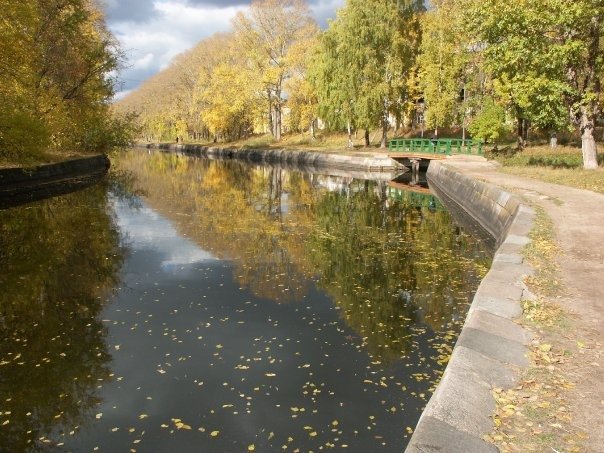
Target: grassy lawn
562	165
325	141
46	157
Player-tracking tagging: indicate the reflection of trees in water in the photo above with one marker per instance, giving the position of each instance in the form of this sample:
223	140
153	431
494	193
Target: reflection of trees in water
233	210
58	258
391	266
387	264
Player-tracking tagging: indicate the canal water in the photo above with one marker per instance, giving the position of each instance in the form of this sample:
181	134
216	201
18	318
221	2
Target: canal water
193	305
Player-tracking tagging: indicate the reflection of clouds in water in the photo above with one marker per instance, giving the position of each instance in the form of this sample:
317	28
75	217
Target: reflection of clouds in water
147	230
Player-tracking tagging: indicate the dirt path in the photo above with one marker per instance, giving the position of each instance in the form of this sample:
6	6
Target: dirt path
578	218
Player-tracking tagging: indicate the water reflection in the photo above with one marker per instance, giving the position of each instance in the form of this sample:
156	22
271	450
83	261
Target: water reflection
57	260
256	306
356	233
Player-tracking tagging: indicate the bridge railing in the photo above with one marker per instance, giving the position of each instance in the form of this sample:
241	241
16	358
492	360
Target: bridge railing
415	199
445	146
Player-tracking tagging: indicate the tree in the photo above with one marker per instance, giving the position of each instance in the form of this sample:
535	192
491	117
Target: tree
445	53
489	123
546	59
57	61
302	97
368	56
266	35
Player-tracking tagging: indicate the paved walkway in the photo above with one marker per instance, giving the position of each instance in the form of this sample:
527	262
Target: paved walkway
578	218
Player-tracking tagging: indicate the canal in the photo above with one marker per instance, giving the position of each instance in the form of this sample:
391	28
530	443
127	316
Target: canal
194	305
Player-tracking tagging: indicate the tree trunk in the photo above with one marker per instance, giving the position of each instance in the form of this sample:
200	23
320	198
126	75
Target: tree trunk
278	121
350	145
520	133
278	115
384	141
588	141
367	138
270	113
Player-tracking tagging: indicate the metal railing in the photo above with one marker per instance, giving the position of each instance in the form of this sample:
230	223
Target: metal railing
444	146
415	199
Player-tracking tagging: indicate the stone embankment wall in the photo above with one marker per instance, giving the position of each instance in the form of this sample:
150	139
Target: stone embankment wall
349	161
22	185
491	349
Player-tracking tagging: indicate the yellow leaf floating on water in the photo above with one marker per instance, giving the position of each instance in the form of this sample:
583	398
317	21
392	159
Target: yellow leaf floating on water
214	433
270	374
99	415
141	416
251	447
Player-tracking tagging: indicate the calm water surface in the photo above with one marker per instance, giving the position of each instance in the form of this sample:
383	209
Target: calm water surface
195	305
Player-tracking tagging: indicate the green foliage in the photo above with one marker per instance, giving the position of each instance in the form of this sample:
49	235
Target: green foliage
443	61
546	60
22	136
489	125
365	62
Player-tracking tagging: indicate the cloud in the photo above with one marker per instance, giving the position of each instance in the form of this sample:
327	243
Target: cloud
152	32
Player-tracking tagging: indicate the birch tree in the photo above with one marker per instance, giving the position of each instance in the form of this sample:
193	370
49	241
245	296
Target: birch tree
266	34
368	54
444	56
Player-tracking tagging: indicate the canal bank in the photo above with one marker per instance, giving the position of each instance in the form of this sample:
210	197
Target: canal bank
491	349
351	160
23	185
564	402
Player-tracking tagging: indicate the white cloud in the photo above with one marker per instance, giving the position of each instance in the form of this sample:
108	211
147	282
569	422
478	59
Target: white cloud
121	95
144	62
147	230
173	26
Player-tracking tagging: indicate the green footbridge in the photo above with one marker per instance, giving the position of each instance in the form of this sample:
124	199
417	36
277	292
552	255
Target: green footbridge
433	149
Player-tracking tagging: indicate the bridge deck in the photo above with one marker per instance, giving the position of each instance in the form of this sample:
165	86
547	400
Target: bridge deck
426	156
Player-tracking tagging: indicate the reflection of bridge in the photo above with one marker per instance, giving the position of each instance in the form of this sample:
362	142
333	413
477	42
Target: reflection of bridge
417	196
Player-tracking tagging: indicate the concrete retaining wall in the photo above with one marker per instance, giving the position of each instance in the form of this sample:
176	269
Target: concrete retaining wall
351	161
491	349
22	185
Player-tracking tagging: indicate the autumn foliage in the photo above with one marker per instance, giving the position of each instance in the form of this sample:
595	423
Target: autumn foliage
56	61
490	68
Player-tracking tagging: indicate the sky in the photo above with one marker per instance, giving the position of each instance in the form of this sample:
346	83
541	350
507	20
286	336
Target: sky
152	32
